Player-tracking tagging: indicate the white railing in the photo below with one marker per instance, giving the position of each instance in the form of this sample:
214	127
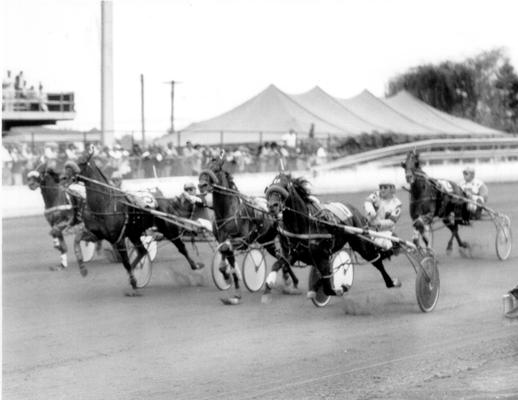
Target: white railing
433	150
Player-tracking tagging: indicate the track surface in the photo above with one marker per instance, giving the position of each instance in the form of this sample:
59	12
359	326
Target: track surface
65	336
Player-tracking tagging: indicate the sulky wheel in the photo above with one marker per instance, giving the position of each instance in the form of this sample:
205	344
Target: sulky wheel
87	250
254	269
321	299
427	284
143	270
151	246
343	271
504	239
217	276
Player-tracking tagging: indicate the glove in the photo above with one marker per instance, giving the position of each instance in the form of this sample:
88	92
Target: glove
478	199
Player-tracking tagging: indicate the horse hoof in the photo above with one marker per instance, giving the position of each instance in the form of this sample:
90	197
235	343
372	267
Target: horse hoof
449	251
266	298
198	266
59	267
83	272
396	283
291	291
132	293
311	294
231	301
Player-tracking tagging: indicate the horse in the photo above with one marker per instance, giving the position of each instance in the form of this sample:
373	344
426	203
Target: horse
61	211
431	198
239	222
111	216
312	233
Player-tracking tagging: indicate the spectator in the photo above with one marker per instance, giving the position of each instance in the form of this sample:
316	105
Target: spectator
265	155
192	159
8	94
17	166
7	165
197	159
18	83
171	159
71	152
291	141
147	164
42	98
50	153
321	156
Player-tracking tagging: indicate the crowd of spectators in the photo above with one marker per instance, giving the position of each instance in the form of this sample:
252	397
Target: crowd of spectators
160	161
17	95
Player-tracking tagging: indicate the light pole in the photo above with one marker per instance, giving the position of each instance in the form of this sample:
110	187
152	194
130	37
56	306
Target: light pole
171	129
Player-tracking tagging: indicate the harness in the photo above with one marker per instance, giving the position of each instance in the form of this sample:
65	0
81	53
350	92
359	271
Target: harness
62	207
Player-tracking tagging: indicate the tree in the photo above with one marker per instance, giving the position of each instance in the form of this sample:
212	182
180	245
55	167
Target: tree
506	83
447	86
483	88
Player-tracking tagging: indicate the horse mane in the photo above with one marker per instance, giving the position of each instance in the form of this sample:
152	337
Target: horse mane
53	174
87	159
230	179
217	167
300	185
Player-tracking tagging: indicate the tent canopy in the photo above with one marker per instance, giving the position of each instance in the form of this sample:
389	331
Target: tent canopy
272	113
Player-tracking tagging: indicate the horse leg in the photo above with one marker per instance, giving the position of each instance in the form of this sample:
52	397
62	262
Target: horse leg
61	246
450	226
389	282
236	274
421	232
463	246
180	245
78	253
324	268
87	236
123	252
282	262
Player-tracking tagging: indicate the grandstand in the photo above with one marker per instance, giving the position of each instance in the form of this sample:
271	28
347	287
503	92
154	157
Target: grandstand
19	110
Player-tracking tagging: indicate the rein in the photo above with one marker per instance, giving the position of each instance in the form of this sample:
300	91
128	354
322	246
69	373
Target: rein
246	199
62	207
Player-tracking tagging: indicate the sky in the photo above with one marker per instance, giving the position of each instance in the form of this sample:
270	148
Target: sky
227	51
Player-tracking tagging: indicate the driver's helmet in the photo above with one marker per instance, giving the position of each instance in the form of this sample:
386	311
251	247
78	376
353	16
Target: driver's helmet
189	187
469	172
387	187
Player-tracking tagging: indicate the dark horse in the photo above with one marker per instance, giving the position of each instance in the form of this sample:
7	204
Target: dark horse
238	224
112	217
312	233
431	198
61	210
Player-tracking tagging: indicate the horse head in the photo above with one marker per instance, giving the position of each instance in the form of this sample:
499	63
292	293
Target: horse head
213	183
36	176
42	176
83	166
411	164
277	194
288	193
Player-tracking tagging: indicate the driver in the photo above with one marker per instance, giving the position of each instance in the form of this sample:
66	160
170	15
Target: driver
475	190
383	209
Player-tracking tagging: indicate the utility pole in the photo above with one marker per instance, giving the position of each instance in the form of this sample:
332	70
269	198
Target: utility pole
171	128
142	119
107	73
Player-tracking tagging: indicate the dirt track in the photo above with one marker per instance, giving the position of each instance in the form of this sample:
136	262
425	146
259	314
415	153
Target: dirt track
70	337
